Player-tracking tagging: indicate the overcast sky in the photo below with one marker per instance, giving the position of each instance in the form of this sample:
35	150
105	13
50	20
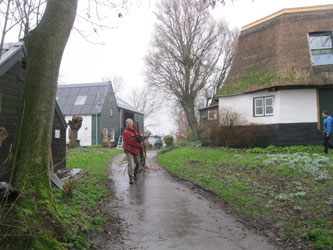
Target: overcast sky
126	44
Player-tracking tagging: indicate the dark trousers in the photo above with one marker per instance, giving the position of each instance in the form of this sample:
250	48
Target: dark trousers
327	144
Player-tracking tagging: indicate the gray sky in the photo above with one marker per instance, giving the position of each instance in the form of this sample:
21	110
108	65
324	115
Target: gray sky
126	45
127	42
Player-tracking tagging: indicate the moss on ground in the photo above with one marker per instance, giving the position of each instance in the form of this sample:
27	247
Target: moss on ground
61	223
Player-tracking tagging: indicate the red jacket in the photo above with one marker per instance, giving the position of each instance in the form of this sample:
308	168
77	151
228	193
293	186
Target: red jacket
130	144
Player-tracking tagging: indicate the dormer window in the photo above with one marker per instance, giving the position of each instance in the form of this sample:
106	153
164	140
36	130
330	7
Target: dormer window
80	100
321	47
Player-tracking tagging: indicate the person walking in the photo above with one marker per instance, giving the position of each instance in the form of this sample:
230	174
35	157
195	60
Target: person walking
327	131
132	150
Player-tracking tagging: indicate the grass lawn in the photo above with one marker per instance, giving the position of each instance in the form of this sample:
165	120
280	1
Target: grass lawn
287	190
79	211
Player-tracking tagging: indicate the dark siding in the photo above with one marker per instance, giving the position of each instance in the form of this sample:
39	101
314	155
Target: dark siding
292	134
93	130
11	85
108	121
58	144
325	102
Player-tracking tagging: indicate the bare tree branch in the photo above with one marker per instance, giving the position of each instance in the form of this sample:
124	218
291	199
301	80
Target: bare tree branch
145	101
188	54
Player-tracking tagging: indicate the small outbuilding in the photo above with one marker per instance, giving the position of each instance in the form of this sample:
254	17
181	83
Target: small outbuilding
12	74
99	108
282	75
209	113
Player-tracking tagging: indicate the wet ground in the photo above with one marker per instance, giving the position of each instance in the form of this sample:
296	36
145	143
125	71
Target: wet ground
159	212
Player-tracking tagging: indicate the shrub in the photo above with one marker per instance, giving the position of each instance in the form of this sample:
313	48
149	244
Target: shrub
246	136
168	140
166	149
182	143
69	187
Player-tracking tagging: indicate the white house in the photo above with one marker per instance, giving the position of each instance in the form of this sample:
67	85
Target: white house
282	75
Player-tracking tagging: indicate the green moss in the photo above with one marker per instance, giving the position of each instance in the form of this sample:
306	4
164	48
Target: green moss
47	242
256	76
44	221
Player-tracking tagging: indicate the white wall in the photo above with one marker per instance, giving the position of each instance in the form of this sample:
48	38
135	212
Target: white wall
84	134
290	106
298	106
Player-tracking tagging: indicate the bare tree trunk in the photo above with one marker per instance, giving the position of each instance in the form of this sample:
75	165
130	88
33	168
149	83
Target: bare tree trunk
35	212
75	125
189	109
106	139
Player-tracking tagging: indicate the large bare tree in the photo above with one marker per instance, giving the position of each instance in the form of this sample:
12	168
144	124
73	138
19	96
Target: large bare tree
218	77
187	53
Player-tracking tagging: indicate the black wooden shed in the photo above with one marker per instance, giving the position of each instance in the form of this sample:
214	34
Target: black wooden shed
12	73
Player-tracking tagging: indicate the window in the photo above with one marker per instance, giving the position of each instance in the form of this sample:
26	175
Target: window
111	112
80	100
263	106
321	47
268	105
259	107
212	115
112	134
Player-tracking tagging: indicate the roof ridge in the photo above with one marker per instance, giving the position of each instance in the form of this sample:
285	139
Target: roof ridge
287	11
76	85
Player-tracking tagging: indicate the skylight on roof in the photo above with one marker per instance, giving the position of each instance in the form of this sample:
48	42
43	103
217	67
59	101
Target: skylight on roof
321	47
80	100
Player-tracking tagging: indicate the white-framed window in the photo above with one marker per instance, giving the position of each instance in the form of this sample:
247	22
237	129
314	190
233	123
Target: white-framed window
111	112
112	133
269	108
80	100
321	47
263	106
259	106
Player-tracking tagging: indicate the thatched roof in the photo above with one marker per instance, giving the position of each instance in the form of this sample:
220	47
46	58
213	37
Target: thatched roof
274	51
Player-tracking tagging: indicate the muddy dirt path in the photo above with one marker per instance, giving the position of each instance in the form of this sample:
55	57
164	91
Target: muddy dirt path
160	213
